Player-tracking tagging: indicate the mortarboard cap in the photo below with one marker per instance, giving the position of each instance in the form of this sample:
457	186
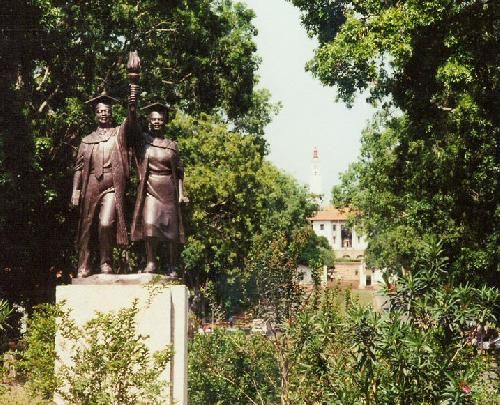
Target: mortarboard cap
103	98
158	107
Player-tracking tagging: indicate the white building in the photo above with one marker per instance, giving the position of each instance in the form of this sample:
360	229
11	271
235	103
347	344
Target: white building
347	244
332	224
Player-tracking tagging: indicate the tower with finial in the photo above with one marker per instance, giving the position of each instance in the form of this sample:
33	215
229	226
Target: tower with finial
315	182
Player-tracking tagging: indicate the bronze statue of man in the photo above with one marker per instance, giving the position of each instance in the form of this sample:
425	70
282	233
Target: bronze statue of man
101	171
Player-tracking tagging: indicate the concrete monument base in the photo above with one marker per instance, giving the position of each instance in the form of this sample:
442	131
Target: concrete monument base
162	317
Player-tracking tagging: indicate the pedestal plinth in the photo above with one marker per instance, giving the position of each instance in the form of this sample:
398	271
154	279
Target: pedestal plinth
162	316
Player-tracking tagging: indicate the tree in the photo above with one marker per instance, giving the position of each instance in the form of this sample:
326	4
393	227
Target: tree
280	297
237	202
284	204
425	185
222	218
427	171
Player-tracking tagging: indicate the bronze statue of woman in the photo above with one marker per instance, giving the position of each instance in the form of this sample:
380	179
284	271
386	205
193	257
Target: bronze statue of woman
157	212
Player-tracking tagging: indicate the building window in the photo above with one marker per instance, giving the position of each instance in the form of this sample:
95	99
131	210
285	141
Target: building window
321	227
334	228
346	236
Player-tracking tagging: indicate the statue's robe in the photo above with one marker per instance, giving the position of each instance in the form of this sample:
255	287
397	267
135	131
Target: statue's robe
90	195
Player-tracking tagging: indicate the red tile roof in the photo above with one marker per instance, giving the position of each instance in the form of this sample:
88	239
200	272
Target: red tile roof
332	214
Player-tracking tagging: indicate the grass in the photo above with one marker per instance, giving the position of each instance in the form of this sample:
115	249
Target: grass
17	394
365	297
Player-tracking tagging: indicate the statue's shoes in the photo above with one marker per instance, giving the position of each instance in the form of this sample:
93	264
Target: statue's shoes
106	268
150	268
82	273
173	274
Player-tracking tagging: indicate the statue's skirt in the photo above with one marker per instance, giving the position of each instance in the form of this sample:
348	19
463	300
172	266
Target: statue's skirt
160	208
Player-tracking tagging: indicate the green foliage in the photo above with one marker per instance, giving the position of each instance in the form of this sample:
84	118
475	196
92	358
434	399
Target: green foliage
310	350
333	350
428	169
411	199
283	240
283	204
229	367
382	46
425	187
360	356
5	313
401	363
37	360
258	117
316	251
111	363
279	296
322	18
236	199
221	182
274	264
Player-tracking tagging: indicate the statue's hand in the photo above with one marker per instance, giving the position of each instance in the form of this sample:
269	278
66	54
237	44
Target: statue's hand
75	198
132	102
132	98
134	91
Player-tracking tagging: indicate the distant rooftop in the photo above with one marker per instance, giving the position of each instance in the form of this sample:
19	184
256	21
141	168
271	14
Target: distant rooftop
332	214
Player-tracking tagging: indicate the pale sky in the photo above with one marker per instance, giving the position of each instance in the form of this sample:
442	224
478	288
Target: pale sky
310	116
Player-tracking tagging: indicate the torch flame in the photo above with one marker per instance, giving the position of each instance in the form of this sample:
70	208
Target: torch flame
134	62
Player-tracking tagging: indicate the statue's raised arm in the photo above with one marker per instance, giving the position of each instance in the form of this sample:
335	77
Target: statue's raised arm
132	131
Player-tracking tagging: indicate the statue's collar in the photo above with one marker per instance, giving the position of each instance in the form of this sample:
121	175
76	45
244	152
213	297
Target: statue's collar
159	142
99	135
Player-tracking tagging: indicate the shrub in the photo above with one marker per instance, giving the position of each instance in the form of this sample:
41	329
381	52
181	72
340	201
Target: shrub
229	367
37	360
110	364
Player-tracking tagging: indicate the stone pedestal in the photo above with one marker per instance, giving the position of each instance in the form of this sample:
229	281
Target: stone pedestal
162	317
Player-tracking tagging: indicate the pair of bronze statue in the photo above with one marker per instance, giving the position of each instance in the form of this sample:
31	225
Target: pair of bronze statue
101	172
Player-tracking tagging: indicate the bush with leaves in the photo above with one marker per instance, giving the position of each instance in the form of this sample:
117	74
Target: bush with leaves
20	395
5	313
338	352
110	362
362	356
229	367
318	354
37	360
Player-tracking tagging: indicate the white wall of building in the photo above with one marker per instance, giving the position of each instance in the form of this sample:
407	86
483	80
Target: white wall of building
332	231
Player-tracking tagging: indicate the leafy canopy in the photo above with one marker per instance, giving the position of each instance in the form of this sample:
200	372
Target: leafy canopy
428	169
